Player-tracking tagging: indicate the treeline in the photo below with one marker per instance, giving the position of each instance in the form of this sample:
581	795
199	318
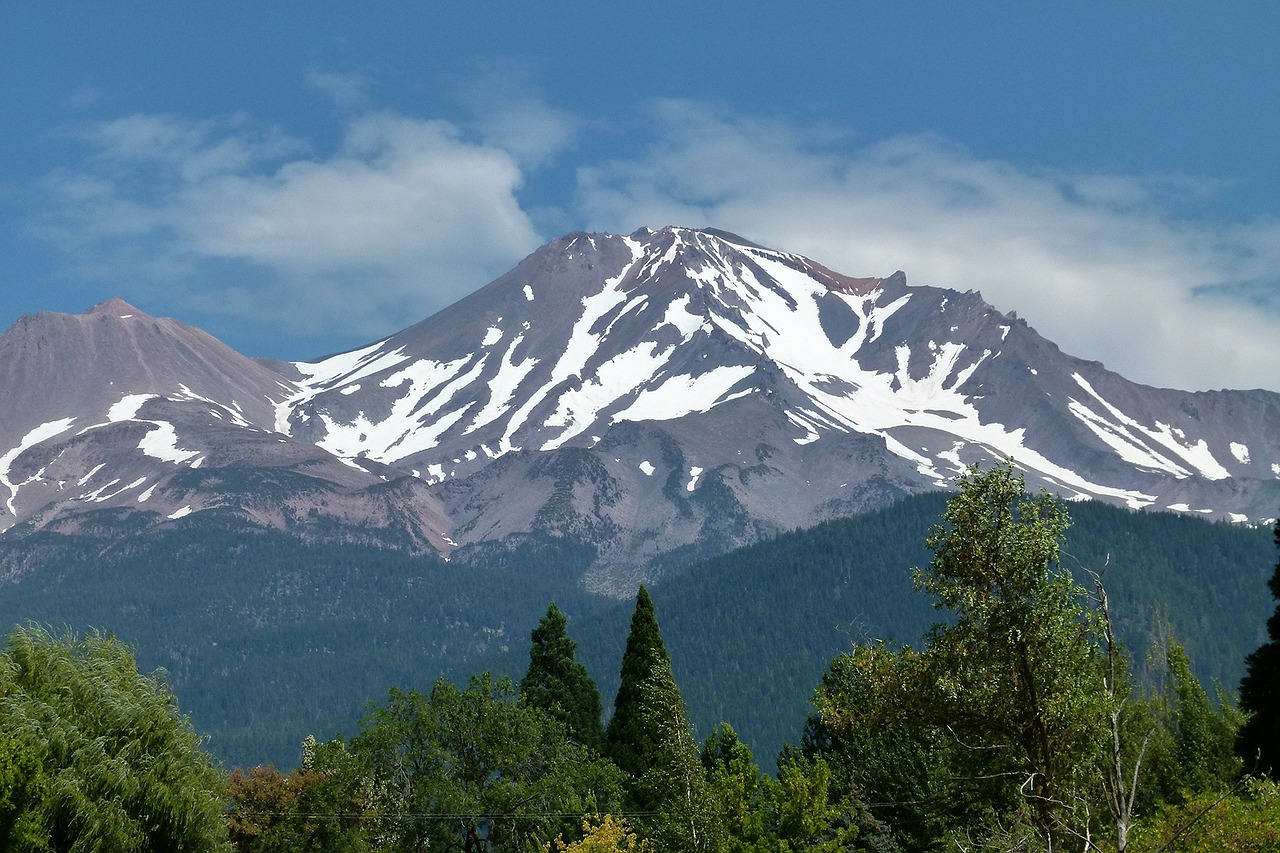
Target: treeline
1016	724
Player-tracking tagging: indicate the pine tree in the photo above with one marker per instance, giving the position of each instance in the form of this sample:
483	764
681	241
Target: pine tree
1259	740
557	684
674	784
627	742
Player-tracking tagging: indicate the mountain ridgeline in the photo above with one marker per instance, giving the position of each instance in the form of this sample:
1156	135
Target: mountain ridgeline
759	437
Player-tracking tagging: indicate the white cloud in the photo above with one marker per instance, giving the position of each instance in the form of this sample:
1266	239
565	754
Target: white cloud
243	221
1097	264
228	217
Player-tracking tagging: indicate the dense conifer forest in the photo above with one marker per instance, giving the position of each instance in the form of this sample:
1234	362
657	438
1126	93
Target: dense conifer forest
266	640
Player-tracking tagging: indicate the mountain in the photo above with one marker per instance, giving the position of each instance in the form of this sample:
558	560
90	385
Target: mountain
290	539
114	410
656	397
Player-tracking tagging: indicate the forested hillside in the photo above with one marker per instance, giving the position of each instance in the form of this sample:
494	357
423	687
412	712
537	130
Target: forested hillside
750	632
266	640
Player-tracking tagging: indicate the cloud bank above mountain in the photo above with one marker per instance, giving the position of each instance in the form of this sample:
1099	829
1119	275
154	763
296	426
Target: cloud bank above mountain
399	215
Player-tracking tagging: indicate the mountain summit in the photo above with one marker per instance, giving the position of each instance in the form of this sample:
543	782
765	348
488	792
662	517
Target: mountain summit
671	391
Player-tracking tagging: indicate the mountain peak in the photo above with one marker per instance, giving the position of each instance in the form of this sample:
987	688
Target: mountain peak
117	306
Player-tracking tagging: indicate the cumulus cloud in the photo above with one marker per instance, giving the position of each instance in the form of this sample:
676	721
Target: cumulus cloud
405	217
1097	263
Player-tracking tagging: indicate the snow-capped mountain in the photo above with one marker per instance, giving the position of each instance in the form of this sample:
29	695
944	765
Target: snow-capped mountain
667	390
117	410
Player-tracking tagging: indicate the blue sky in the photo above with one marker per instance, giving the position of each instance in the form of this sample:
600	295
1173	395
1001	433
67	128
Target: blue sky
303	178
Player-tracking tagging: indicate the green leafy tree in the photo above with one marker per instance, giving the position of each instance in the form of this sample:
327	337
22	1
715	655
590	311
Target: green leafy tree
1017	676
736	788
1010	690
1211	823
22	786
882	751
322	806
474	767
121	768
559	685
1204	735
1259	740
628	743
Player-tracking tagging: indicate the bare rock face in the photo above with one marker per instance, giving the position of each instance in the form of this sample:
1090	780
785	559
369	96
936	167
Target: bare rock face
671	391
114	409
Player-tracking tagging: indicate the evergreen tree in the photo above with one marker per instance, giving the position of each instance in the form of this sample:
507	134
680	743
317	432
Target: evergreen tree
557	684
674	785
1259	740
628	743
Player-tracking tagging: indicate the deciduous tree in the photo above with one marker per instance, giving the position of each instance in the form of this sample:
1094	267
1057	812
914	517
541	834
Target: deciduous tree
121	768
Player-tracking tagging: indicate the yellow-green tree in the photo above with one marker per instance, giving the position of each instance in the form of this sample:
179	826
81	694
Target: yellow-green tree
603	834
121	768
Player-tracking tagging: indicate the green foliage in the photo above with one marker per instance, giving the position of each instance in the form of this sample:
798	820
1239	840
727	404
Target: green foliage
22	787
1212	823
881	751
1259	743
560	686
1204	734
241	616
315	808
736	789
1011	688
120	768
628	743
673	787
474	764
1017	677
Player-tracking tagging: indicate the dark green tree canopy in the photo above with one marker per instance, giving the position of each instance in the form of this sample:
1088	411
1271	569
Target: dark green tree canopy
560	686
1259	741
627	742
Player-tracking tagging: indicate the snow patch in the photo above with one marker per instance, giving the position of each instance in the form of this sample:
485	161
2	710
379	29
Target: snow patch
1161	448
127	407
180	513
647	467
694	473
528	293
1240	452
162	443
491	336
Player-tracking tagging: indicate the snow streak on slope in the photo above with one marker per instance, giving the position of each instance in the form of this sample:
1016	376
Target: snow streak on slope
31	439
782	322
1158	448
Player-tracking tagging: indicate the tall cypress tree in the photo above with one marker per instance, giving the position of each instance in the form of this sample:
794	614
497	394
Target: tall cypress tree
1260	694
559	685
627	741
